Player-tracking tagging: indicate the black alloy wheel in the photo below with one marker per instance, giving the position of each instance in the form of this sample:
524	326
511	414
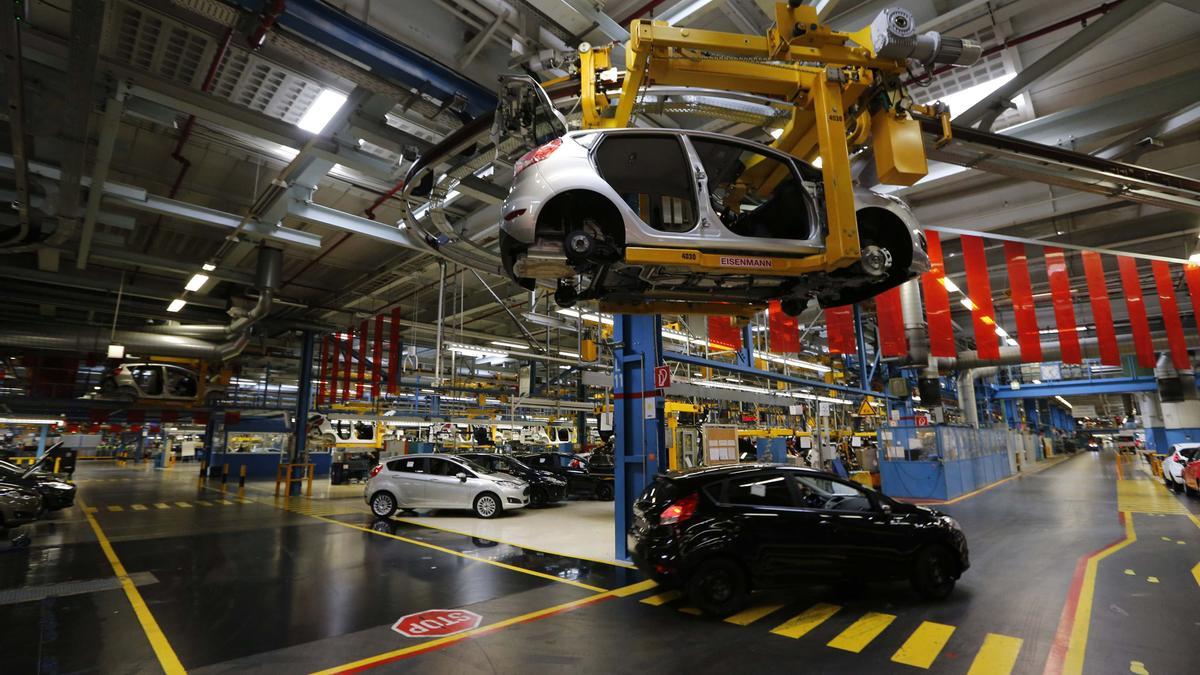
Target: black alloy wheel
537	496
718	587
933	573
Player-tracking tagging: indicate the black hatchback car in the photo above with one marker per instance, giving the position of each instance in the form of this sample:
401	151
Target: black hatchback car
583	479
56	492
544	486
722	532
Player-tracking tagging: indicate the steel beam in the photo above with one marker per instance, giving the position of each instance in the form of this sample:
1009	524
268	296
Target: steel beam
1121	385
109	126
607	25
348	222
1133	145
765	374
986	111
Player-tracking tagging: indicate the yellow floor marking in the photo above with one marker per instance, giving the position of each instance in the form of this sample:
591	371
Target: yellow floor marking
1130	572
90	509
483	630
800	625
1077	643
1180	541
1196	573
997	656
924	645
1138	668
662	598
690	610
162	505
749	616
162	648
861	632
224	501
499	541
1146	496
459	554
114	507
1166	539
183	505
138	507
201	502
634	588
1153	580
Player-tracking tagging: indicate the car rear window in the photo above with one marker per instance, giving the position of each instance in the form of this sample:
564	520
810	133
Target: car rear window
408	465
761	490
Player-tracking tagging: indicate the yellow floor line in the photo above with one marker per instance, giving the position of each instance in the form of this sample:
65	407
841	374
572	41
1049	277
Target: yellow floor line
158	641
183	505
997	656
749	616
115	508
862	632
466	556
800	625
924	645
634	588
138	507
162	505
201	502
1077	646
662	598
418	523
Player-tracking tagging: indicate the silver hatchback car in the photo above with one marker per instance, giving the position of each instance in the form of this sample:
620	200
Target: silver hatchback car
442	482
599	212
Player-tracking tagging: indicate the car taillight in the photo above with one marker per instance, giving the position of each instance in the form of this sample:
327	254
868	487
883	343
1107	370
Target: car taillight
680	511
536	155
375	471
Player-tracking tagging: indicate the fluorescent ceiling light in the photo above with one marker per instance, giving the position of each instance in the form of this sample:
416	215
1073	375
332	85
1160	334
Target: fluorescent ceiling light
510	345
968	303
323	108
950	285
594	318
30	420
572	355
208	267
1011	342
477	351
116	351
176	305
682	11
1064	402
196	282
1001	332
1194	258
960	101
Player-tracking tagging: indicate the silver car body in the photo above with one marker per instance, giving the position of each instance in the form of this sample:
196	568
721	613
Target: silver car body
18	505
1173	470
415	484
572	168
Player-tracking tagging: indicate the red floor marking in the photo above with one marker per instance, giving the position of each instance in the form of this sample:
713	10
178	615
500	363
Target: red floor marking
1066	622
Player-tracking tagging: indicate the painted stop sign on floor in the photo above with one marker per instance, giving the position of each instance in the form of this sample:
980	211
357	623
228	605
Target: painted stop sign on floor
436	623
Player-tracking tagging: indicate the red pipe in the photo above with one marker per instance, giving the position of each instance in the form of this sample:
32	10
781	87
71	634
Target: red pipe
644	9
1013	42
370	212
186	132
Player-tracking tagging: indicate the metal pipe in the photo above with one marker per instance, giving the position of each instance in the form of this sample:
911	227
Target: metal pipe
441	328
966	392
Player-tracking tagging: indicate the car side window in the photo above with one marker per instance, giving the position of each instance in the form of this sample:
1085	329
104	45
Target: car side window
408	465
761	490
755	194
816	492
653	176
149	379
444	467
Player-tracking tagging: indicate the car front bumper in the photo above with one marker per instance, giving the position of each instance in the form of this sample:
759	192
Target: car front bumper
514	498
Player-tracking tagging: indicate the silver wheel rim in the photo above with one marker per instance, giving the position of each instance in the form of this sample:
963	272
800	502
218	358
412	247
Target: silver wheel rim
487	506
380	504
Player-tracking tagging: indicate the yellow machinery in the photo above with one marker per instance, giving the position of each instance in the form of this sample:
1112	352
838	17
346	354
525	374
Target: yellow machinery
846	89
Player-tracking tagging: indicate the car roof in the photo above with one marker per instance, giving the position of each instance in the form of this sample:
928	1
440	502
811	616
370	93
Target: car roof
706	473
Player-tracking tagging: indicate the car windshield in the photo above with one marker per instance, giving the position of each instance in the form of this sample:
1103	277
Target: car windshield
515	463
474	466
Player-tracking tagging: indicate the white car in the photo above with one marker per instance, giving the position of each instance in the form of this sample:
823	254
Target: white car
442	482
1175	461
635	215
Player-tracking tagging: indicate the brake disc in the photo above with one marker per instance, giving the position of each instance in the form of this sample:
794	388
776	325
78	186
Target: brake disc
876	260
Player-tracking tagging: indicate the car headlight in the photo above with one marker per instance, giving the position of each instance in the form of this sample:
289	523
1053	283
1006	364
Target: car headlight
508	484
952	523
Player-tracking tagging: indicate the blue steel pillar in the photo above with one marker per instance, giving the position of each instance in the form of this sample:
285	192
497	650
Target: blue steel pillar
41	450
303	406
862	349
637	425
746	355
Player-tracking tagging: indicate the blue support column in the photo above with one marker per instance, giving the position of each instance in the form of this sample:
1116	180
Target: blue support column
746	355
638	426
303	406
862	349
41	450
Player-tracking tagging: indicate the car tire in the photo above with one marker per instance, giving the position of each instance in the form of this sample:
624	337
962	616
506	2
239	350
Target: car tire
538	496
718	587
604	492
383	504
487	505
933	573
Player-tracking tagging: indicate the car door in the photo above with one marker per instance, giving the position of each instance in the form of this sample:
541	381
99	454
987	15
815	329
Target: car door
443	488
863	539
407	476
782	541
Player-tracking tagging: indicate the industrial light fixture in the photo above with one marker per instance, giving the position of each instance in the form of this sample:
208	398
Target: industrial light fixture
208	267
950	285
509	345
196	282
30	420
116	351
594	318
176	305
682	11
1194	258
477	351
968	303
323	108
1064	402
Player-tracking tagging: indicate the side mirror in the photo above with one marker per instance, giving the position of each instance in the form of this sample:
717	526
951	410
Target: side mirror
461	477
886	510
